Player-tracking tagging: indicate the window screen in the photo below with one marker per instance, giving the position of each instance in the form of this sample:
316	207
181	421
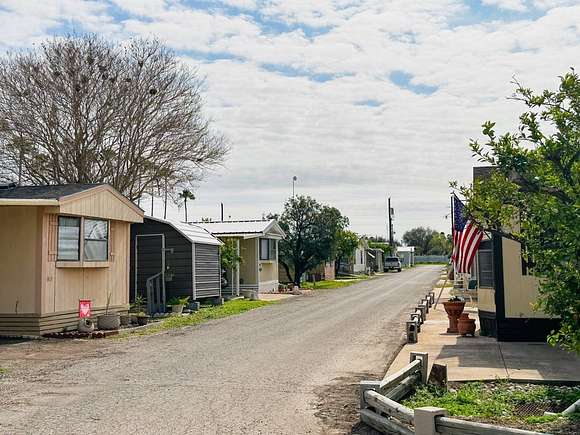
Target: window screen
96	240
69	232
485	264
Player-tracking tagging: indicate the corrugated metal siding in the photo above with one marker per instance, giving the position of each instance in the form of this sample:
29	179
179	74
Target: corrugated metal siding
207	271
178	260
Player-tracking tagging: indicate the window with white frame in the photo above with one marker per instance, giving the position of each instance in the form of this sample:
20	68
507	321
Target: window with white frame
69	238
95	239
267	249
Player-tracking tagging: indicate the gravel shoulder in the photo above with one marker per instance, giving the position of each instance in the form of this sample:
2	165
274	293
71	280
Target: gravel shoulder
289	368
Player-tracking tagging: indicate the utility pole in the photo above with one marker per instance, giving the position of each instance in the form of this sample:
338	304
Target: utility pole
222	211
390	213
165	202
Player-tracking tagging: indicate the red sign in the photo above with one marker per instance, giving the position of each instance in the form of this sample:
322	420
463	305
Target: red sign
84	308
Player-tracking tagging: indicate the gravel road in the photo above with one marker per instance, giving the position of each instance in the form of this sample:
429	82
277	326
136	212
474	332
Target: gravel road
288	368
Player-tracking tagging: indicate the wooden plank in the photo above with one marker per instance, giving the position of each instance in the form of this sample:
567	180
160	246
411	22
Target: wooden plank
389	407
383	424
397	377
452	426
404	388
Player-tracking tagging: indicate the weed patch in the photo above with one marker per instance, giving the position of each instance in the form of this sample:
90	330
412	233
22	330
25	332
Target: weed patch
504	403
204	314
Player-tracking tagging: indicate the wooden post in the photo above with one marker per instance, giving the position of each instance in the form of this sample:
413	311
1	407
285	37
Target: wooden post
411	331
365	386
424	358
425	420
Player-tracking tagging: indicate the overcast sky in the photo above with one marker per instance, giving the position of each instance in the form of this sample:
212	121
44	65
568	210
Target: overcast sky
359	99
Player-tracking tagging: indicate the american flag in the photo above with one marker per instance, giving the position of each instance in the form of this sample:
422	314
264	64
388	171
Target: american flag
466	238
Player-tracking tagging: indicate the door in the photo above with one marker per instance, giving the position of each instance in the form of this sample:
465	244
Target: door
149	260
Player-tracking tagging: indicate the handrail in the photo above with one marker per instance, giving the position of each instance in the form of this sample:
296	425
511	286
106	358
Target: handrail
155	296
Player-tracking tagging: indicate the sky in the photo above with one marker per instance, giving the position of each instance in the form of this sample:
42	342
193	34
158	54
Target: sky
359	99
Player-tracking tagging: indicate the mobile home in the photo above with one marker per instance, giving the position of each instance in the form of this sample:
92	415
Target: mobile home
62	244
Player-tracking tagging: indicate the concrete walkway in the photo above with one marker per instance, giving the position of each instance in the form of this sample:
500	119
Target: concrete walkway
484	358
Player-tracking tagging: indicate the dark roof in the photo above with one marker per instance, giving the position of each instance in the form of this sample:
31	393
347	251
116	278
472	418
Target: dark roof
42	192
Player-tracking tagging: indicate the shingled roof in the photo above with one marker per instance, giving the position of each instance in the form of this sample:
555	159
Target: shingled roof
43	192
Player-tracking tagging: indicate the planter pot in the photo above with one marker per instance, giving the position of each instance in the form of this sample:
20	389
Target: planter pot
249	294
177	309
453	310
465	325
142	320
125	319
86	325
109	321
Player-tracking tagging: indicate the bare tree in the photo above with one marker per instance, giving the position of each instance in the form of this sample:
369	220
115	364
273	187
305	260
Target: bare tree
84	110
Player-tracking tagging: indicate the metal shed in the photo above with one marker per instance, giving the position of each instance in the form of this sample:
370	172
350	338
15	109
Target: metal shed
173	259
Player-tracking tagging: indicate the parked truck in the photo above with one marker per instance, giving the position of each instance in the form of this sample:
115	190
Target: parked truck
393	263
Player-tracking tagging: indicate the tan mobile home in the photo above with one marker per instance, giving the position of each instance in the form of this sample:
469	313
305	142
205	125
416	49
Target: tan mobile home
61	244
257	244
507	290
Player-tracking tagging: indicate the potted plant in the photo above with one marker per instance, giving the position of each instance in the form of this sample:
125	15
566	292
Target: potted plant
465	325
125	319
142	318
177	304
453	307
108	321
136	307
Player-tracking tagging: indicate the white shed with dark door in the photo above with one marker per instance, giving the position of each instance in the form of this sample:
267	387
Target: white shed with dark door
173	259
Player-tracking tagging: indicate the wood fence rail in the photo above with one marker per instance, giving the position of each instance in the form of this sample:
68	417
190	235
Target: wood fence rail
381	411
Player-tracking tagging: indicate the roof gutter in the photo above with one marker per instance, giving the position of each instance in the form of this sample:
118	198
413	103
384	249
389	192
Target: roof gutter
30	202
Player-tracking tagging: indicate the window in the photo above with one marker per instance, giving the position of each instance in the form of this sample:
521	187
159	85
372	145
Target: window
96	240
95	246
69	238
267	249
485	264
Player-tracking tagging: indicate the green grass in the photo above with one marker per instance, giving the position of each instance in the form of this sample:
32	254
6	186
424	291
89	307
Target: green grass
498	401
334	283
204	314
3	371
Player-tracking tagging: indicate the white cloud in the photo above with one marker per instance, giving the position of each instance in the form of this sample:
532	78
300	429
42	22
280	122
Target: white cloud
513	5
345	153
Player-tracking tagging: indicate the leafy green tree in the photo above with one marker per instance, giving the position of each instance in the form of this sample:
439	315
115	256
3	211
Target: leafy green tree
532	196
311	235
229	255
440	244
346	243
420	238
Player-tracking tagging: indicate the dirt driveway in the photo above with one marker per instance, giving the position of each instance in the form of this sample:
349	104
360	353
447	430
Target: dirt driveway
288	368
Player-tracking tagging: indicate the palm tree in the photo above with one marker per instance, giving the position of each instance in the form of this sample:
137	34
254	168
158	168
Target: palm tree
185	195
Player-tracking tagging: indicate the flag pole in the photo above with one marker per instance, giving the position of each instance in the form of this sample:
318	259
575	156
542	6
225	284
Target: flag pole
453	236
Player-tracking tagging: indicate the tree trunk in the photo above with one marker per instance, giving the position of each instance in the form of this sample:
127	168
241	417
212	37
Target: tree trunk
287	269
297	276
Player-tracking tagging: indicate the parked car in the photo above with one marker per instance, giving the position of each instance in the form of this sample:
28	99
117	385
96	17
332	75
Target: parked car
393	263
